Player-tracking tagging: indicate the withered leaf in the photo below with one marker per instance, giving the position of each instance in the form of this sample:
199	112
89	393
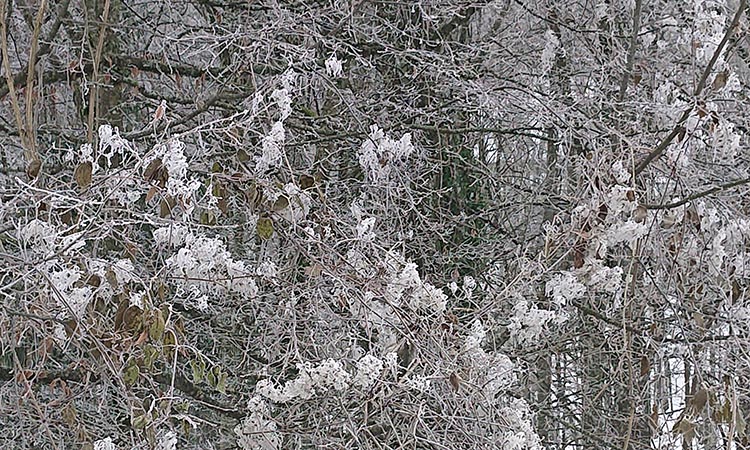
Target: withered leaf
265	228
32	171
455	381
165	206
280	203
306	182
82	174
152	170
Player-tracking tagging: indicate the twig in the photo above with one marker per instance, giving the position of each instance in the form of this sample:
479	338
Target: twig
631	51
698	195
94	92
30	129
9	80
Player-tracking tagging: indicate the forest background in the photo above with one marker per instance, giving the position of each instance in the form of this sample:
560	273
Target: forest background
438	224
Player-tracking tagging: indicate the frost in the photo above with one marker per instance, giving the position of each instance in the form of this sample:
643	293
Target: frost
407	285
283	101
267	269
369	369
258	431
204	266
497	370
167	441
473	343
365	229
173	235
334	68
104	444
111	144
551	46
329	374
418	383
86	154
179	184
39	235
618	202
564	287
625	232
517	416
380	154
271	154
605	279
469	285
527	322
71	300
136	299
124	271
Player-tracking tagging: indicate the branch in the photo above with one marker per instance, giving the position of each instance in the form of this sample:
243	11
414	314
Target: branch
523	131
592	312
80	377
631	50
94	91
153	66
698	195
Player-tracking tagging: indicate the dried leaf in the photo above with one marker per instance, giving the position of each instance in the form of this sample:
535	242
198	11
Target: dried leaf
165	206
32	171
152	170
640	214
645	366
280	203
82	174
69	414
314	270
156	330
199	370
306	182
161	110
143	337
720	80
699	400
265	228
455	381
131	372
242	156
140	422
653	419
111	278
151	192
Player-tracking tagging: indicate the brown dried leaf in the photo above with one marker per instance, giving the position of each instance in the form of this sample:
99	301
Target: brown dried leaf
82	174
165	207
455	381
720	80
306	182
152	170
640	214
32	171
280	203
645	366
151	192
